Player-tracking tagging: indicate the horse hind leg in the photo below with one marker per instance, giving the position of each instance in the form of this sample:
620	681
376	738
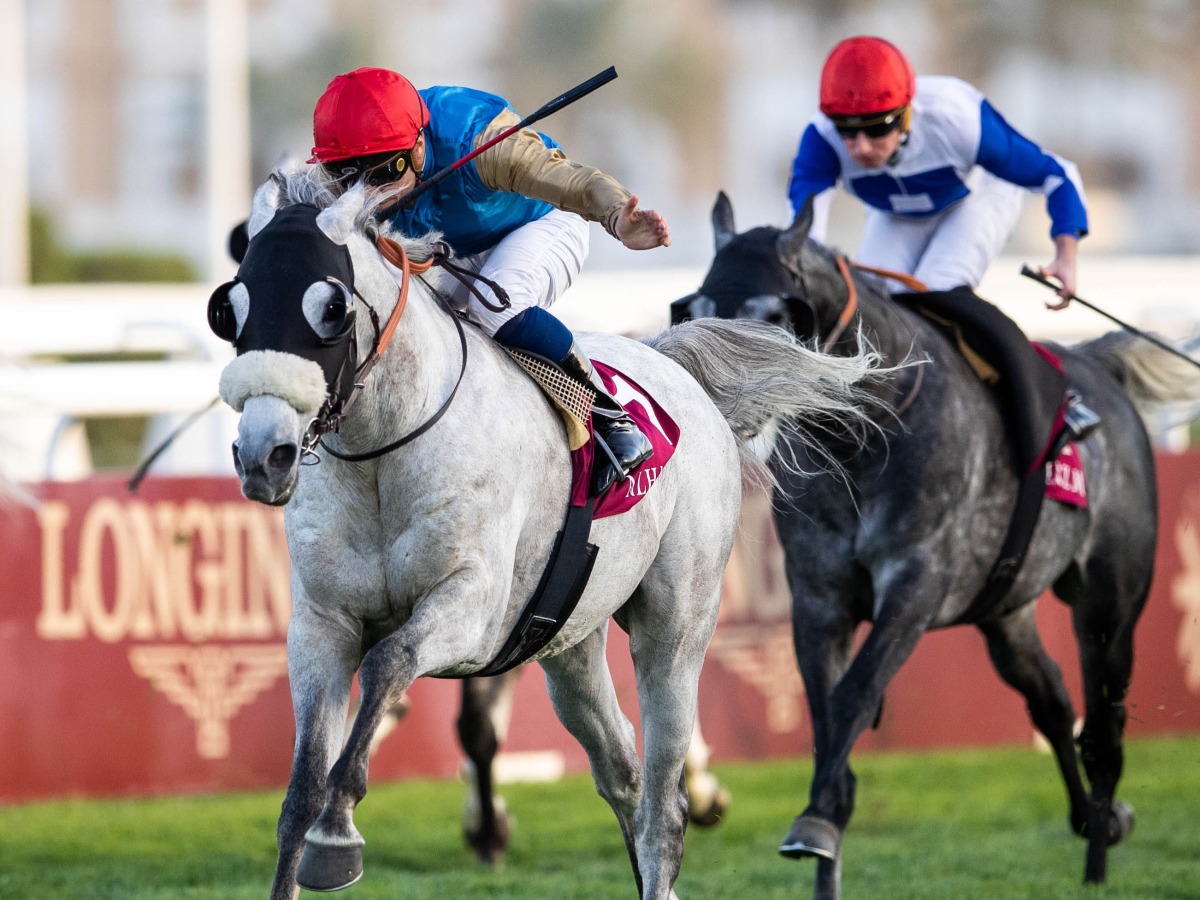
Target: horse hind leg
1020	658
708	799
482	726
1105	611
585	700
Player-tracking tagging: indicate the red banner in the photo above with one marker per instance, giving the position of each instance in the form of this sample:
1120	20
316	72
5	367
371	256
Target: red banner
142	650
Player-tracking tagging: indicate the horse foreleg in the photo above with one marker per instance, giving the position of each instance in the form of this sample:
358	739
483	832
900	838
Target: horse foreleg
433	639
482	726
902	615
320	673
582	693
822	634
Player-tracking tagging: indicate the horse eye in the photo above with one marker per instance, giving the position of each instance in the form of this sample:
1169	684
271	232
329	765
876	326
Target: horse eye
329	308
335	310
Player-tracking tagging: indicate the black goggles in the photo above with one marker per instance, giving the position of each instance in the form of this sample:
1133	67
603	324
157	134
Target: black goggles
376	170
848	129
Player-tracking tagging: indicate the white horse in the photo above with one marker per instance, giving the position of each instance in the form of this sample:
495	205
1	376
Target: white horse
419	561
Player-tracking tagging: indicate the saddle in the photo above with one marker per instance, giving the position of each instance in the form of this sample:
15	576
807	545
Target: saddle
573	402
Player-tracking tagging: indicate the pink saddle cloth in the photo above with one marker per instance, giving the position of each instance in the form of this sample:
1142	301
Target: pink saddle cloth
1064	478
654	422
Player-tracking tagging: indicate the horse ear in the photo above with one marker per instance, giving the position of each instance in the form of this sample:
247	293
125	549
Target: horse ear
791	242
337	220
266	201
722	220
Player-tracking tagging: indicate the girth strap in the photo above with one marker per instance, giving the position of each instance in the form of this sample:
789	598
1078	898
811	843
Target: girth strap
558	592
1030	492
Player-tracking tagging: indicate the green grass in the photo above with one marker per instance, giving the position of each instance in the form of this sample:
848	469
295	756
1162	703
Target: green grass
942	825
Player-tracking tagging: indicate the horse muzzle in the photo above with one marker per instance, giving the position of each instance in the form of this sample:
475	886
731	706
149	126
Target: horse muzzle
266	454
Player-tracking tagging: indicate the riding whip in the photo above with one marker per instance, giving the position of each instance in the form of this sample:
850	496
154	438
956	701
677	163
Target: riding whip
1042	279
145	464
575	93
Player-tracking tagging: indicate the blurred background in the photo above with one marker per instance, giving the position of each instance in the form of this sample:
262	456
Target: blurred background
137	130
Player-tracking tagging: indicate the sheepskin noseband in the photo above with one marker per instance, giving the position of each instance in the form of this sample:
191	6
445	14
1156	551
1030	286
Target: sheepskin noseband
298	381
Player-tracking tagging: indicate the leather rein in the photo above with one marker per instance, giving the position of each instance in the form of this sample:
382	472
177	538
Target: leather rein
333	412
851	307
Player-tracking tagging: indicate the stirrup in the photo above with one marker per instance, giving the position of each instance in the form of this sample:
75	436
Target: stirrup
1079	419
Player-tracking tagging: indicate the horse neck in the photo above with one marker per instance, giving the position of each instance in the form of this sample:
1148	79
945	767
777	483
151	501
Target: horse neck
879	324
417	369
880	321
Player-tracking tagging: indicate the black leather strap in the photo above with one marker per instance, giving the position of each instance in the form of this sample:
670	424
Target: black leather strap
558	592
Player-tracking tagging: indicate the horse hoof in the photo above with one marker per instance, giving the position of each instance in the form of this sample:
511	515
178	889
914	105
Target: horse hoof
811	836
324	867
1120	823
488	840
714	812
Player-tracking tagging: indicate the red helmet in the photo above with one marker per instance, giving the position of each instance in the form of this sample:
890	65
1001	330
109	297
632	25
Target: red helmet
364	112
865	76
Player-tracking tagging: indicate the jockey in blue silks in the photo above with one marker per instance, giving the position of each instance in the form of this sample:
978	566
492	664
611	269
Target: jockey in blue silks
943	177
518	213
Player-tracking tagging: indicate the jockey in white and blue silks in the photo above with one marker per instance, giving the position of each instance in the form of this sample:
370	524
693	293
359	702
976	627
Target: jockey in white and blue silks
944	206
943	176
518	213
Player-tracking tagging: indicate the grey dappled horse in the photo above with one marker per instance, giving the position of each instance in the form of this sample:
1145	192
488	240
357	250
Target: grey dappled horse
908	546
418	561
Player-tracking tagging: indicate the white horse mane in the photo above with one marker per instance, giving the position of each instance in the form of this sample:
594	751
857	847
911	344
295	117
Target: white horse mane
316	186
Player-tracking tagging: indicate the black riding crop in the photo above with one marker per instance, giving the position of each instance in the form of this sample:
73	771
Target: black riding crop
1037	276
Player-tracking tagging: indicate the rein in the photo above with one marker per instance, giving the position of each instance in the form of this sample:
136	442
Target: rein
332	414
851	306
848	310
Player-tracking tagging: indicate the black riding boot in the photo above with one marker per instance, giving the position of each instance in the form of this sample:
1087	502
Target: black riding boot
624	446
1036	390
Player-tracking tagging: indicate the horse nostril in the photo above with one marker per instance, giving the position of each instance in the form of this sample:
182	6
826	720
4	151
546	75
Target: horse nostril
283	457
776	318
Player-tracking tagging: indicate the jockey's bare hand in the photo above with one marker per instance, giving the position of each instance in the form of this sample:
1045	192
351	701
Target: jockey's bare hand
641	229
1063	268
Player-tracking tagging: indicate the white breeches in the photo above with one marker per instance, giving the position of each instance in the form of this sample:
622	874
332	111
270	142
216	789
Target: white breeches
534	264
952	248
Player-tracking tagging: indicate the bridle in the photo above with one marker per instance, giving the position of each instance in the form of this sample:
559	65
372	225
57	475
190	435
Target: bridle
333	411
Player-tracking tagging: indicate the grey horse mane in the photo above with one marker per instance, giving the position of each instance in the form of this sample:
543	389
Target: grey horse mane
315	186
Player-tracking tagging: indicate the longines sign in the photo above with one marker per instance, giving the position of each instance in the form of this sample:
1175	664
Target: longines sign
190	571
142	650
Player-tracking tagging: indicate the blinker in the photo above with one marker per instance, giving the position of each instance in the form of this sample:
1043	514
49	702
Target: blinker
221	318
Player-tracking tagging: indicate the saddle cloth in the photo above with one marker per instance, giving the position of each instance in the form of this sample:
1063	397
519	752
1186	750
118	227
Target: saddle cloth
654	422
1064	478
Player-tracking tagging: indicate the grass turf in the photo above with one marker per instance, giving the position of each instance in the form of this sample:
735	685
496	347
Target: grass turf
978	823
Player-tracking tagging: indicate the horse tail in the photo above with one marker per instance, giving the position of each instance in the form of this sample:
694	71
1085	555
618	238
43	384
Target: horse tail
759	375
1149	374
